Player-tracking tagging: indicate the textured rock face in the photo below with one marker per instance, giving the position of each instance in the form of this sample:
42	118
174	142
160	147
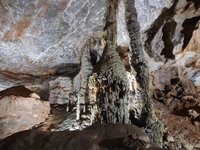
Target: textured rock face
173	36
171	42
177	104
60	90
149	10
170	33
188	64
21	113
38	35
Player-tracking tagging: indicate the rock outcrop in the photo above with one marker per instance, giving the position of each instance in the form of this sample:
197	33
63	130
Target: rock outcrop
19	113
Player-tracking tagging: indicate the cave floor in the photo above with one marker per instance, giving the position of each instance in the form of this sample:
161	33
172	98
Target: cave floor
181	130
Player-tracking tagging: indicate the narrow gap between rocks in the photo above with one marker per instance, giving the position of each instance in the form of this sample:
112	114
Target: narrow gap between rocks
189	25
168	31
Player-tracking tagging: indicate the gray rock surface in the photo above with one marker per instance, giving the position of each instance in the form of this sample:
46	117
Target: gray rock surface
149	10
60	90
122	33
38	35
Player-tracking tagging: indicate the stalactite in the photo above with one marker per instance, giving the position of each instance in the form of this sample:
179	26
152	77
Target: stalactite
138	61
148	118
78	109
111	81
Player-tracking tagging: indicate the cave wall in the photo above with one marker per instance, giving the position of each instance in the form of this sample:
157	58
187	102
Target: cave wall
45	38
28	49
52	46
46	34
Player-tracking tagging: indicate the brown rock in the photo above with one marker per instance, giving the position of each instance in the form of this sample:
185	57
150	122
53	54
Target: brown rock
19	113
17	91
98	137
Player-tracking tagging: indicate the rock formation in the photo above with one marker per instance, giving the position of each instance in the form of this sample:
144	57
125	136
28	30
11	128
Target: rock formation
21	110
108	61
100	137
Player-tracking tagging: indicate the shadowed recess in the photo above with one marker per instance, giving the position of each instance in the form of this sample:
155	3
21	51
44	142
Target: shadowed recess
153	30
168	31
189	25
17	91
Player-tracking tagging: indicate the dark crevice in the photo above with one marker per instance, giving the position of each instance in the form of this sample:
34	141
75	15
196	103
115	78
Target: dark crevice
196	3
64	70
166	15
93	57
138	122
174	81
185	112
189	25
17	91
168	31
67	69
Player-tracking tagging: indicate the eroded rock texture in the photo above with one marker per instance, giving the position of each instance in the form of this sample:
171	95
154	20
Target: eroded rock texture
174	26
171	43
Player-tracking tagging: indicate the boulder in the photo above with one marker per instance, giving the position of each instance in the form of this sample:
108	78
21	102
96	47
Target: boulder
19	113
97	137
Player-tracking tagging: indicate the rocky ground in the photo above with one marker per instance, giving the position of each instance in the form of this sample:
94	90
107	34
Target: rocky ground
177	105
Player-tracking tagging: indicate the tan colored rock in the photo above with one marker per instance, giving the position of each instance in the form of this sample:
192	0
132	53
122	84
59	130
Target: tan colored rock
34	95
19	113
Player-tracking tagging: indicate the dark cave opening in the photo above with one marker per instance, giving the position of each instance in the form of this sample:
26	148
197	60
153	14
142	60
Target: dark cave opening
93	57
166	14
189	25
168	31
196	3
